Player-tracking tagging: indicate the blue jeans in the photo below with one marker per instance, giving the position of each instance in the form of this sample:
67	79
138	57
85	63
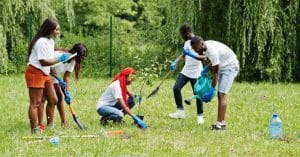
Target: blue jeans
180	83
114	112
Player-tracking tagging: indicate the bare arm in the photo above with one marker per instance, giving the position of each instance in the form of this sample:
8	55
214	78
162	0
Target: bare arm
124	107
201	57
48	62
67	79
53	72
215	70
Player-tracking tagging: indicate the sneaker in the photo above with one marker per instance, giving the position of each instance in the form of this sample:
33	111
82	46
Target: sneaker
177	114
120	121
42	128
218	126
200	120
104	121
36	130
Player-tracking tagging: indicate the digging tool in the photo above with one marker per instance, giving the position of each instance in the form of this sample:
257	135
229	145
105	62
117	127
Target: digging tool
59	63
157	88
165	77
75	118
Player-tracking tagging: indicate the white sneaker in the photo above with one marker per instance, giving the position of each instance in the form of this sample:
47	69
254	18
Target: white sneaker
200	120
177	114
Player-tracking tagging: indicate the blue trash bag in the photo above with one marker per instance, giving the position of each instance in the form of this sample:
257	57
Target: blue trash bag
202	85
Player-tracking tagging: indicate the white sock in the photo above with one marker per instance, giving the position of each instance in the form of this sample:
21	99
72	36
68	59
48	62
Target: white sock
223	122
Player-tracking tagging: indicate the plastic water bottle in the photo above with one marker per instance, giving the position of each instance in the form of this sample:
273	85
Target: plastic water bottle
275	127
54	141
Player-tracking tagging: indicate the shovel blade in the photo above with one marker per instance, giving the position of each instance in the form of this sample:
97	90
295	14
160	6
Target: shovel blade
79	123
153	92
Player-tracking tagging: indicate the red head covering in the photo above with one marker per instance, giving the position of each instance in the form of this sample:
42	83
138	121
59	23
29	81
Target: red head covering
121	76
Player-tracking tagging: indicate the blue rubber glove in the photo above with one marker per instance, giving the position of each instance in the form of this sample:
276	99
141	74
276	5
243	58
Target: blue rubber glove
61	82
64	57
173	66
138	121
207	96
204	70
188	52
68	97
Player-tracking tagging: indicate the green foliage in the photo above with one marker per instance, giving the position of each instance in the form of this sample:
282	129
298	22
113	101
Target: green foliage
3	53
15	23
264	34
297	59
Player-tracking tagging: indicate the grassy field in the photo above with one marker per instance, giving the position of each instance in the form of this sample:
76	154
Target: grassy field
249	111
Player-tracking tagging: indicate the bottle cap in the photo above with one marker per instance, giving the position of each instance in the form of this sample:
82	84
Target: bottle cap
275	115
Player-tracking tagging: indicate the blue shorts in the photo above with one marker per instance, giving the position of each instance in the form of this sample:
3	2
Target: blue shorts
225	79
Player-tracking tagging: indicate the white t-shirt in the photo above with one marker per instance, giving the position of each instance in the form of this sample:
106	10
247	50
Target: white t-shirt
110	95
220	54
192	67
42	49
62	68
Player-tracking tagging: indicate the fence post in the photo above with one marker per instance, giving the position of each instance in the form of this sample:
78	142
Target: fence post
110	46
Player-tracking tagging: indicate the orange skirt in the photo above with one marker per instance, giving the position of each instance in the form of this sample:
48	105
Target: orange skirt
35	78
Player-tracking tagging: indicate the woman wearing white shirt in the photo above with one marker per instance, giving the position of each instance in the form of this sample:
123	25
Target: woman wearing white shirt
66	69
41	57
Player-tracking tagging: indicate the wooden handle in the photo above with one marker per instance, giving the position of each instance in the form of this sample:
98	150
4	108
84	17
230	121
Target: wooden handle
166	76
71	109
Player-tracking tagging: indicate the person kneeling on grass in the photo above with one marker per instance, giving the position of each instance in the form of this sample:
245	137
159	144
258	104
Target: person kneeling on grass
224	66
114	99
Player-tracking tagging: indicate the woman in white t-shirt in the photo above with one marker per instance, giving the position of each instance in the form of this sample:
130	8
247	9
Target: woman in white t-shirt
41	57
114	100
65	69
224	66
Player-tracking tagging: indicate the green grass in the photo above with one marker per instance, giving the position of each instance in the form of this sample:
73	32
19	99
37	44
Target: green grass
249	111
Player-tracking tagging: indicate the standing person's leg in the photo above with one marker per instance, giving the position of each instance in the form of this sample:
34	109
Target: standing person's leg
225	82
35	81
51	101
35	96
200	119
180	82
222	107
60	105
41	113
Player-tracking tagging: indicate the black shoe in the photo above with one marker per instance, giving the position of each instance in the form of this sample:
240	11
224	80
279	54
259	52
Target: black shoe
118	121
104	121
214	127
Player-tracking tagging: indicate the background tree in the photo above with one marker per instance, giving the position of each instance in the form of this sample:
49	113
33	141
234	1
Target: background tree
264	34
